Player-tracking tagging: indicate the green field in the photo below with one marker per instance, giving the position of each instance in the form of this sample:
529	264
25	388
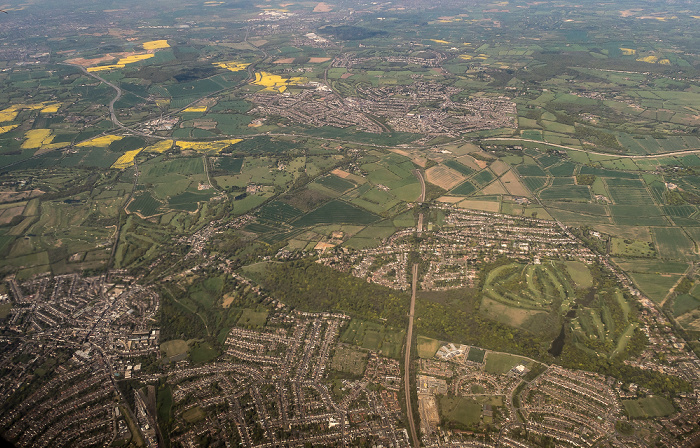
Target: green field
335	183
684	303
372	336
174	347
648	407
252	318
580	274
500	363
460	410
278	212
427	347
476	355
193	415
230	164
673	243
202	352
188	201
464	189
455	165
655	286
632	248
483	178
336	212
5	309
145	204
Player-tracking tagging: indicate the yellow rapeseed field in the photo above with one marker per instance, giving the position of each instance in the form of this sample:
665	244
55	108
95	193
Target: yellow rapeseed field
439	41
126	160
8	114
232	65
665	62
155	45
7	128
39	138
275	83
208	147
466	57
51	109
628	51
121	63
102	142
649	59
196	109
160	147
11	112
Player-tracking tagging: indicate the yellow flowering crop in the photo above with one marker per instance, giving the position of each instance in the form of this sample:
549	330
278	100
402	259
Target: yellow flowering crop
196	109
155	45
102	142
275	83
39	138
121	63
232	65
649	59
126	160
207	147
7	128
160	147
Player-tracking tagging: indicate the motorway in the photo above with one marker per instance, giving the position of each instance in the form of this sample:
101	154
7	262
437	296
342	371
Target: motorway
407	361
409	334
588	151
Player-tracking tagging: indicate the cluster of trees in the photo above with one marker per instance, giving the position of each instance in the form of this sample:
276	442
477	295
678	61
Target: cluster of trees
317	288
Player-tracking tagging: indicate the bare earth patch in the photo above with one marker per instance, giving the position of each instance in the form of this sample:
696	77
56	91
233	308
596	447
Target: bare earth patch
513	184
228	300
340	173
494	187
284	61
318	60
486	206
323	7
444	177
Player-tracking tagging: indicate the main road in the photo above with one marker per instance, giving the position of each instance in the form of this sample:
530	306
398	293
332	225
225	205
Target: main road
407	361
409	334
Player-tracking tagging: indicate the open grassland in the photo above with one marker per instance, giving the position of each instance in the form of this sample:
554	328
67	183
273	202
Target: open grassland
372	336
336	212
655	286
174	347
684	303
251	318
500	363
427	347
648	407
460	410
673	243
